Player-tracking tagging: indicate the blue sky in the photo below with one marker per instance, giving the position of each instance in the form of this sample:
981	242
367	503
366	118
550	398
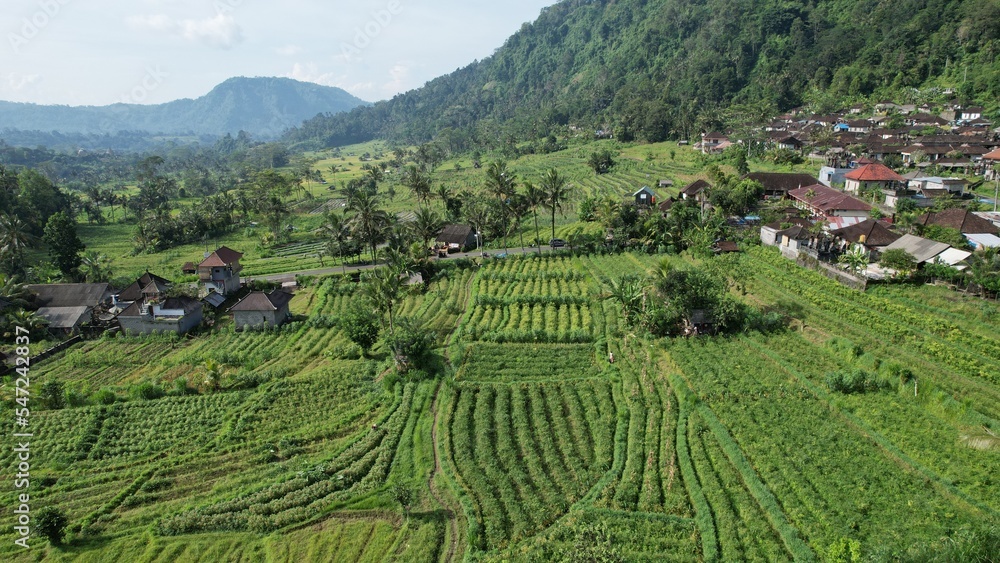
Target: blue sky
96	52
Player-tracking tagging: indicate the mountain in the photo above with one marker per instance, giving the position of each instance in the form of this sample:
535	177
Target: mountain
264	107
654	69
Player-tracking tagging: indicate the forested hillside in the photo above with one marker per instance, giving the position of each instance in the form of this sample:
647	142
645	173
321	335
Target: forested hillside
654	69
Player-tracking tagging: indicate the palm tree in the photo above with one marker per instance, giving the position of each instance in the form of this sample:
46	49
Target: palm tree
27	319
13	291
502	184
627	291
419	182
444	194
15	239
556	193
427	225
534	197
213	374
369	220
95	267
383	286
336	231
855	259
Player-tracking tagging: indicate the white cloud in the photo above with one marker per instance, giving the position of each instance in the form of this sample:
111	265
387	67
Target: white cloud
289	50
400	74
17	82
310	72
219	31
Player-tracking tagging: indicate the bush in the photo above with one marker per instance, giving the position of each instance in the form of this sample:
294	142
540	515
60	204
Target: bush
51	523
852	381
104	397
147	391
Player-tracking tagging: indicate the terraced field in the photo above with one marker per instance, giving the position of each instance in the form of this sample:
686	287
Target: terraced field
532	446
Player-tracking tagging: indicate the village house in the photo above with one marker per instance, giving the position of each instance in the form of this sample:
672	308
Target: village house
260	310
69	306
161	314
871	234
874	176
714	143
962	220
220	271
147	286
456	237
696	190
644	197
778	184
827	203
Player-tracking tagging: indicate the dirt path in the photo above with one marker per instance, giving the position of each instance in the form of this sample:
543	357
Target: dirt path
453	526
432	485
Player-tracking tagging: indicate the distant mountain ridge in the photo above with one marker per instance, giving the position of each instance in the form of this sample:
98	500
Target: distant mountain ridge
264	107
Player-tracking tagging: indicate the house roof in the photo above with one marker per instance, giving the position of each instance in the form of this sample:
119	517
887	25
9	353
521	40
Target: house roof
666	204
646	190
984	240
224	256
696	187
455	234
963	220
874	172
920	248
828	199
727	246
64	317
70	294
189	267
155	286
781	181
994	155
134	291
796	232
260	301
188	304
875	233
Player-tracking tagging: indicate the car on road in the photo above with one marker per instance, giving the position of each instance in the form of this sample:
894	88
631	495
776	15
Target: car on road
557	243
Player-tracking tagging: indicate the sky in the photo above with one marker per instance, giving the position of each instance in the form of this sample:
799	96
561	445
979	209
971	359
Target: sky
98	52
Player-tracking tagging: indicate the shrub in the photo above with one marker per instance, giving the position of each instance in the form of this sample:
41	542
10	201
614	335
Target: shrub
51	523
147	391
851	381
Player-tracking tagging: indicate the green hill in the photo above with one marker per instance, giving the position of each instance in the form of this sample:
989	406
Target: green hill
654	69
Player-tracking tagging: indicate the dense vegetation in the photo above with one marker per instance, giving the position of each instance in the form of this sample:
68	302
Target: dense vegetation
669	69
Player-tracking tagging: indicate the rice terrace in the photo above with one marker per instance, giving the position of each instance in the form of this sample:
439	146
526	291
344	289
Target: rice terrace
529	444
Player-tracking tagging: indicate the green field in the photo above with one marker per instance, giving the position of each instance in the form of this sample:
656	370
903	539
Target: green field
532	447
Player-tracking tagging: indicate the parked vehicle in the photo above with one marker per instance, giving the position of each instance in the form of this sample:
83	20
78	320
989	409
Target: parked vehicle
557	243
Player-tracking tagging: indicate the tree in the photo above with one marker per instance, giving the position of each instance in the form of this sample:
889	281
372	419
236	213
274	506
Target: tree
51	523
64	245
418	182
384	286
553	185
369	221
628	292
601	161
15	239
336	231
95	267
213	374
502	184
403	495
534	197
360	323
899	260
54	394
426	225
856	260
410	344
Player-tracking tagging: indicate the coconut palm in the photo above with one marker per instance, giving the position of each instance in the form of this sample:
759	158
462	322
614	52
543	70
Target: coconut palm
419	182
336	232
15	239
95	267
554	187
13	291
369	220
534	197
426	225
384	286
627	291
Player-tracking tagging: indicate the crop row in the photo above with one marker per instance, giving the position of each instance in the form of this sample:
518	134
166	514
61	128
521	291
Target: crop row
513	362
528	452
530	323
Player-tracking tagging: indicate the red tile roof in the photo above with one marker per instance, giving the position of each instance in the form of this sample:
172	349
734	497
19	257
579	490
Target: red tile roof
960	219
828	200
874	172
876	233
995	155
221	257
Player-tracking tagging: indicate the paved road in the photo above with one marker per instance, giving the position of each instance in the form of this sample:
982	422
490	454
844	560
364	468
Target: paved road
290	276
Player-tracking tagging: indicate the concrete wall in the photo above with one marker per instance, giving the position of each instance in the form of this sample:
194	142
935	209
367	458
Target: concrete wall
259	319
147	325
